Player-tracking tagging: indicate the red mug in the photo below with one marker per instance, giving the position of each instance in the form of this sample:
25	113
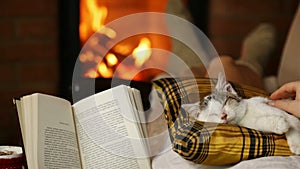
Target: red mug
11	157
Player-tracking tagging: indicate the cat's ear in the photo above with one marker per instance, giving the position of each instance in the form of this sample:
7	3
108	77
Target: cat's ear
223	85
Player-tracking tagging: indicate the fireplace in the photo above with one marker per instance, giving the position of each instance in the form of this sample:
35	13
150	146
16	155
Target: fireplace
124	59
83	24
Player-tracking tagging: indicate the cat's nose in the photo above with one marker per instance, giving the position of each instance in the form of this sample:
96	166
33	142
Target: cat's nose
224	116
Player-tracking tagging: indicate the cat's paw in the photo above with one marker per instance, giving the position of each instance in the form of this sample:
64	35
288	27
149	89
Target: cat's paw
295	148
293	138
282	126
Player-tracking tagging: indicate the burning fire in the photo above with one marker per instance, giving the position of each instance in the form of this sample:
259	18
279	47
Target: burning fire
104	70
106	67
112	59
92	19
143	52
96	63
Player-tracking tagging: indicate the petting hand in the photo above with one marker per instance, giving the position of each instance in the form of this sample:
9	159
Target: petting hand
287	98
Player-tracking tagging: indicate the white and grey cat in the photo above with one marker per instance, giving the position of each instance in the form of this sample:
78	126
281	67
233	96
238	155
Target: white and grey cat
224	105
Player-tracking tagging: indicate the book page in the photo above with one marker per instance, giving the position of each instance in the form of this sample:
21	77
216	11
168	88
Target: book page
142	118
109	136
28	121
57	141
140	111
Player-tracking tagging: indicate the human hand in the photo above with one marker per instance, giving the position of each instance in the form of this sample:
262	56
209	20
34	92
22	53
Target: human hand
287	98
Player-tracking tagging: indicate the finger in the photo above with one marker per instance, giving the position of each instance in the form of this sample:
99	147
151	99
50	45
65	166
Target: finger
290	106
282	95
286	91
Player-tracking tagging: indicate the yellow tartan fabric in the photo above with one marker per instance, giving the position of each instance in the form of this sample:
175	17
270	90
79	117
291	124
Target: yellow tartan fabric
212	143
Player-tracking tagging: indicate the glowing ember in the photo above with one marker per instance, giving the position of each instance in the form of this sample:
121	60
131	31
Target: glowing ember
86	57
105	71
111	59
143	52
92	73
124	49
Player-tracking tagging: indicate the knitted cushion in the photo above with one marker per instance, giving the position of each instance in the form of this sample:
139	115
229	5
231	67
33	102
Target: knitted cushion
211	143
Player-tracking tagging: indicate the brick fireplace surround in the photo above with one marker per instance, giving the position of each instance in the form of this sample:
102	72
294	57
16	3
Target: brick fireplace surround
29	44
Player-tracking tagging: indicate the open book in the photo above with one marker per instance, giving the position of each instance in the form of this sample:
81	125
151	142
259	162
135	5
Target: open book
105	130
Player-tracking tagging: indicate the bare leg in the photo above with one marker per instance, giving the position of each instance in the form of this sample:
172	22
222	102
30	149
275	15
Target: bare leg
257	49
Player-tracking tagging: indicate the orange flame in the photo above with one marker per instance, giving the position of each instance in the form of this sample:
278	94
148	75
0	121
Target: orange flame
111	59
92	19
142	52
104	70
93	15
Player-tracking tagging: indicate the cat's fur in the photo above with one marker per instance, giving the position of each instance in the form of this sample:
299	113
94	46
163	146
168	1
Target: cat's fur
224	105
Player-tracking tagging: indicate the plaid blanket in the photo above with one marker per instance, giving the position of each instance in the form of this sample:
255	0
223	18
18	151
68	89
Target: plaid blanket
212	143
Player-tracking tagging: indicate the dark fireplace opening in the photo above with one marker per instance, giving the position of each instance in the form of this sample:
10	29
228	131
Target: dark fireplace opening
71	44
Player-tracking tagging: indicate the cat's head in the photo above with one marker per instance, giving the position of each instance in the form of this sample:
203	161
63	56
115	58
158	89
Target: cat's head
223	105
